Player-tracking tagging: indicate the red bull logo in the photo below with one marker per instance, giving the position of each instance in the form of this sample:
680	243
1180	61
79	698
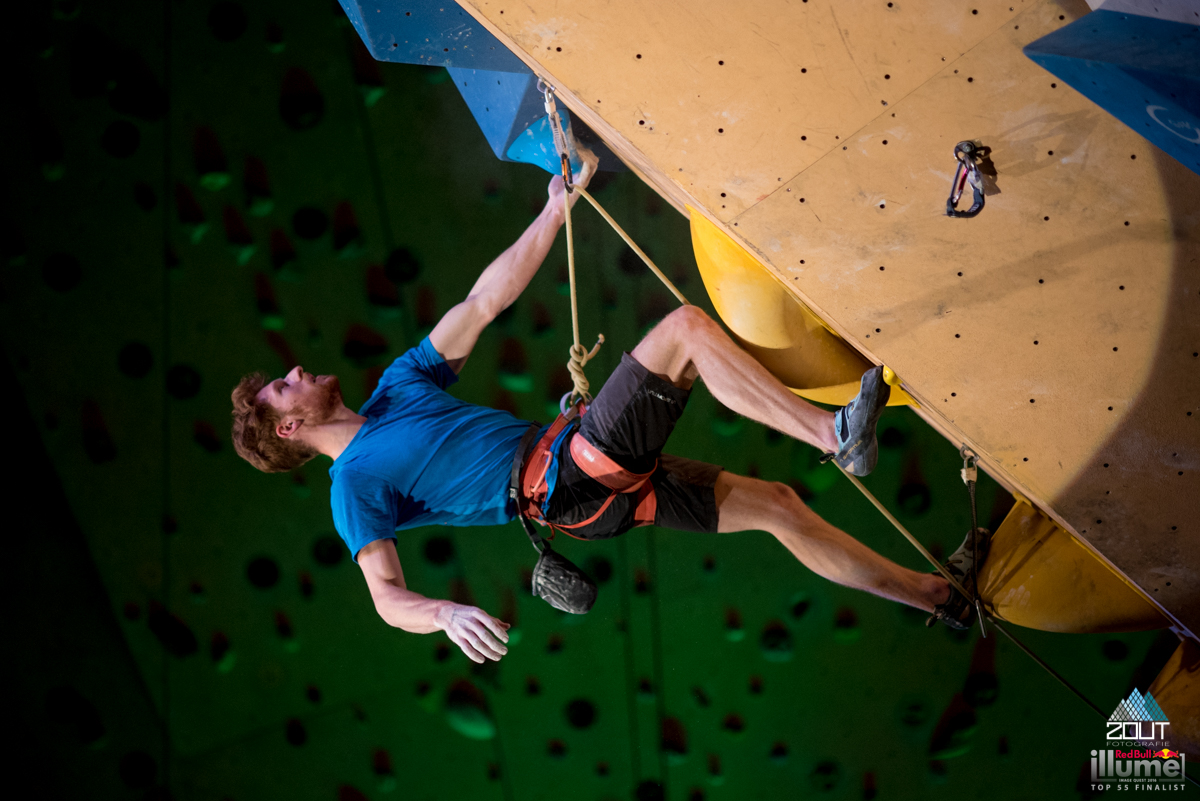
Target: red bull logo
1138	764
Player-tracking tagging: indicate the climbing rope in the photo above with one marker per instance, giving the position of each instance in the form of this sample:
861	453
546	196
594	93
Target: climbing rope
953	583
578	355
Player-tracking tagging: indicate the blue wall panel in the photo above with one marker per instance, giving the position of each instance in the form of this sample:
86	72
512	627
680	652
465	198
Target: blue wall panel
431	32
1143	71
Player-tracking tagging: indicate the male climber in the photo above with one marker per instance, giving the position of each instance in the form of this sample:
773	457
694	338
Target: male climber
414	455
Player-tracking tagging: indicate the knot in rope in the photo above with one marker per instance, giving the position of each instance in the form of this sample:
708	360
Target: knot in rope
579	357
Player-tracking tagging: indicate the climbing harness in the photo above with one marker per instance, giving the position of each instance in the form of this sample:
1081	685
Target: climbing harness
555	578
967	172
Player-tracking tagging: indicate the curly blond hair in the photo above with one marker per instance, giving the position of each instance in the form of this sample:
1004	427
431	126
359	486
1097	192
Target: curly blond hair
254	436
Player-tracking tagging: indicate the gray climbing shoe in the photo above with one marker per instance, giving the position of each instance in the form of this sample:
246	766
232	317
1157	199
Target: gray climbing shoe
854	424
959	611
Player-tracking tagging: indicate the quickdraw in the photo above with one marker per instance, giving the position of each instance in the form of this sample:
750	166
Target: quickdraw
967	172
556	130
970	475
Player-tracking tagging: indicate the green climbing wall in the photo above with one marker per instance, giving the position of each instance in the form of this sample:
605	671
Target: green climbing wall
195	190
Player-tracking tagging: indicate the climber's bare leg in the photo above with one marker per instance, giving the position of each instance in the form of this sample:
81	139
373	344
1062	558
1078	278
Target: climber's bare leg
745	504
688	343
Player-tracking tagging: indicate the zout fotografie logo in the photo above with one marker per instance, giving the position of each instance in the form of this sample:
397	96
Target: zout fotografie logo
1138	757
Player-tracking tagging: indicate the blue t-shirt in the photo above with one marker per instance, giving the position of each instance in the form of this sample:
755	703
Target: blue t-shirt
423	457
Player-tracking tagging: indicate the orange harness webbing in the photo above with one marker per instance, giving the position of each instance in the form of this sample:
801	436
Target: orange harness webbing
593	463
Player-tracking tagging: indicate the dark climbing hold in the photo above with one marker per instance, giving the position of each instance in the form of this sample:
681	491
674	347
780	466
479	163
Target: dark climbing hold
362	346
599	569
513	367
300	103
893	438
227	21
673	740
825	776
209	160
845	625
138	770
295	733
257	187
347	235
61	272
427	313
237	234
381	293
97	442
914	714
274	37
914	499
733	625
439	550
191	216
121	139
282	251
183	382
263	572
328	550
402	266
268	307
649	790
204	435
219	648
631	264
171	632
310	223
982	687
580	713
776	642
952	735
467	712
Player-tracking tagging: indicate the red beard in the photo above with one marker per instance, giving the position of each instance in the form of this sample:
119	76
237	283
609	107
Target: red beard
322	408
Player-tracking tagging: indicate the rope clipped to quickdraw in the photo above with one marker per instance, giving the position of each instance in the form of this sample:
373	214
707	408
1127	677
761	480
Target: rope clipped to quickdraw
580	356
953	583
970	474
967	172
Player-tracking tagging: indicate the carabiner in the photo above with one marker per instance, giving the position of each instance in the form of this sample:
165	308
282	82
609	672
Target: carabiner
967	172
556	130
969	472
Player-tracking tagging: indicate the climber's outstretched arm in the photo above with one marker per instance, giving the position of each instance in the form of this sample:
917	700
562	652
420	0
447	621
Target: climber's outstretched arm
504	279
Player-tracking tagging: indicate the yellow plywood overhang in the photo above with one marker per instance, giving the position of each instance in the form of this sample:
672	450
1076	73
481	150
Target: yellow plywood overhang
1054	334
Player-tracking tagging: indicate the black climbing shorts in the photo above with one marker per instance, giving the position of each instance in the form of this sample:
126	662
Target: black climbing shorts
630	420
